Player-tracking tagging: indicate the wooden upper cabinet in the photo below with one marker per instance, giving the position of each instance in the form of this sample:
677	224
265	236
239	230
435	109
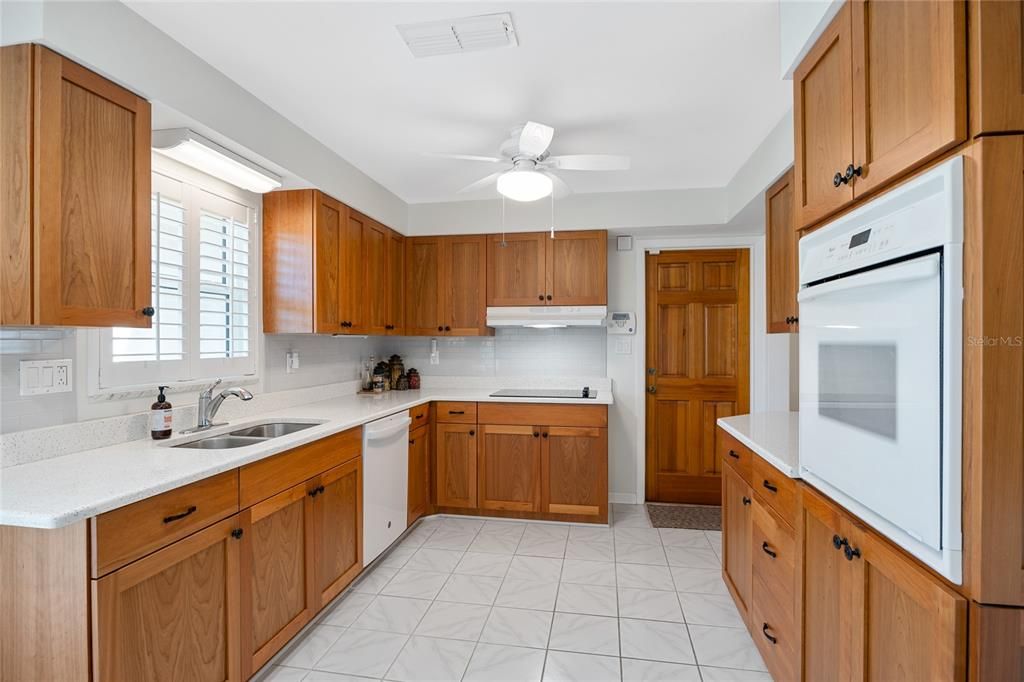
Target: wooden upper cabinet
823	122
509	468
577	268
423	286
75	228
455	448
394	286
516	273
172	615
464	302
781	255
328	217
996	59
909	85
374	262
336	529
352	298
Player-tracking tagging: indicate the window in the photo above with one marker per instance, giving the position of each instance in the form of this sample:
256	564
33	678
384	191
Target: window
202	249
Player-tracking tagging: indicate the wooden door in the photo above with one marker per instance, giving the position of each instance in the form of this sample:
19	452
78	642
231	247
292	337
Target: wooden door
337	530
328	218
423	286
577	268
907	624
419	475
698	356
394	309
823	123
455	452
92	165
996	62
374	288
464	305
737	519
351	295
781	240
909	85
172	615
277	574
508	471
574	471
516	269
826	600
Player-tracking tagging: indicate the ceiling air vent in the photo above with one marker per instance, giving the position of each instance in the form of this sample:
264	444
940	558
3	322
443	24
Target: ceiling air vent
482	32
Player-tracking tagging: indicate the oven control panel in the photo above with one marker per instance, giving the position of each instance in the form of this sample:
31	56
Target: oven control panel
866	244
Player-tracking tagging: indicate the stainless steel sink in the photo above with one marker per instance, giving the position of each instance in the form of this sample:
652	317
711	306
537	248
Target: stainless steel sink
221	442
272	429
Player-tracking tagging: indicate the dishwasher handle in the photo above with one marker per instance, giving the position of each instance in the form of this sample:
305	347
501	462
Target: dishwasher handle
388	431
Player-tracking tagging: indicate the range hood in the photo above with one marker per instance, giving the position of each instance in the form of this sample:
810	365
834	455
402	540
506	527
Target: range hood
547	316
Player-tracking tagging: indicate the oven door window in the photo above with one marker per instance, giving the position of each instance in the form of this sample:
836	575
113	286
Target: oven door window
857	385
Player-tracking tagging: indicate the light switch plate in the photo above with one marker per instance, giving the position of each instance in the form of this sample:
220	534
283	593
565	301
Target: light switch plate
39	377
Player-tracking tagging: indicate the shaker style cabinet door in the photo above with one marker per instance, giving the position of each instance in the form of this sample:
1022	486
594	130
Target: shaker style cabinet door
577	268
328	218
574	471
455	446
423	286
419	474
509	468
909	85
373	290
996	62
336	513
781	242
172	615
351	296
516	269
464	273
737	519
394	307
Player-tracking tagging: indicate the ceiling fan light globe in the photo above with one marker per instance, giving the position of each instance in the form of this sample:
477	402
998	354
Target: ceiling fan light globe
524	185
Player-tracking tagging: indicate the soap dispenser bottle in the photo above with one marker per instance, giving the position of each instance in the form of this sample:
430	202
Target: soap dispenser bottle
160	420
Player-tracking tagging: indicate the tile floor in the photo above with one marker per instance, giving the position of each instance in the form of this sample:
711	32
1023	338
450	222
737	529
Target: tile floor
475	600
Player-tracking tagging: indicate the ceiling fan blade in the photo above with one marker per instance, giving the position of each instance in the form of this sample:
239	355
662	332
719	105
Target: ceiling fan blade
465	157
588	162
481	183
561	189
535	138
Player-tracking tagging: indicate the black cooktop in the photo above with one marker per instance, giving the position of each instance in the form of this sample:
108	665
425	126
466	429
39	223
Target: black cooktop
585	392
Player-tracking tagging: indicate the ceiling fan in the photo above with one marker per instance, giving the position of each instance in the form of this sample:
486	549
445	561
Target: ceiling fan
529	176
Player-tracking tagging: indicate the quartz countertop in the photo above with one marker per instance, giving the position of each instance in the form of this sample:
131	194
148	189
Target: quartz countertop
775	436
57	492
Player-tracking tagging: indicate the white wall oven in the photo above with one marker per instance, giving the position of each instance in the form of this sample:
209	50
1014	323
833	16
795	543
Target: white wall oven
880	363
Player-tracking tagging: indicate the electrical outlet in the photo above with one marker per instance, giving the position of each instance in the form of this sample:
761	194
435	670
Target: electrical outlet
39	377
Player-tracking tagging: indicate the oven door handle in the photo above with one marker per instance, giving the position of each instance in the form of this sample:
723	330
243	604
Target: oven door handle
904	272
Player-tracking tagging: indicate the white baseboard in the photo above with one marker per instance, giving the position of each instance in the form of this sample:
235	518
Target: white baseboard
622	498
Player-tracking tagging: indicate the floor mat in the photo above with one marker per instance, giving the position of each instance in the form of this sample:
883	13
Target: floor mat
696	516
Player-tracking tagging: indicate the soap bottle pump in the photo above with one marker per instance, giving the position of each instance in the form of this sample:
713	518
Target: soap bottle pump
160	421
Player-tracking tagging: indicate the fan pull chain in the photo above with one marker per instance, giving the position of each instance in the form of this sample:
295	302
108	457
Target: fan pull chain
552	214
503	242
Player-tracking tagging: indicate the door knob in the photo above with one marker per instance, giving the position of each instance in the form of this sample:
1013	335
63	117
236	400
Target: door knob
652	389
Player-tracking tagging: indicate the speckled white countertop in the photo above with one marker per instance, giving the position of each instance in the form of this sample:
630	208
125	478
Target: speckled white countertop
775	436
62	490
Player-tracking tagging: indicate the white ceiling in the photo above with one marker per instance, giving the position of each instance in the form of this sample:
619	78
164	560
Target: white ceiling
688	90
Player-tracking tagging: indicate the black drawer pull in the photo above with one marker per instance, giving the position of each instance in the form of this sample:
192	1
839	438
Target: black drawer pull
766	550
746	500
456	412
419	416
764	629
771	487
851	552
734	454
316	491
176	517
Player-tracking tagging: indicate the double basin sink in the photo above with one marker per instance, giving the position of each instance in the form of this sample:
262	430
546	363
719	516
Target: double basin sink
250	435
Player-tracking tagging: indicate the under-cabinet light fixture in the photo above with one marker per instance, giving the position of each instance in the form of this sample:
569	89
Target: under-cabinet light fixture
192	149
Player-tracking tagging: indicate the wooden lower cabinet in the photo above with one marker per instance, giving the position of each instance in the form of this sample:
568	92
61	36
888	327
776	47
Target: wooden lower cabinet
336	516
419	473
277	572
173	615
737	517
456	451
508	469
574	471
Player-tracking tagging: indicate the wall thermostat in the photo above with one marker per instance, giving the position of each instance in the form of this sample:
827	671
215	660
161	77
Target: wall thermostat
622	323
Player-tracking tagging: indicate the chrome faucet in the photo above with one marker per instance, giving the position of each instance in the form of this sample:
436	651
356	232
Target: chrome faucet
208	404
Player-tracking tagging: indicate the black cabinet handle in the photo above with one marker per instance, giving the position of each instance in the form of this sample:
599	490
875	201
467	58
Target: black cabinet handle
536	434
838	542
389	326
549	297
419	416
545	434
148	311
839	179
764	629
440	328
746	500
851	552
770	487
541	297
236	533
472	433
852	172
316	491
792	320
412	442
456	412
447	328
175	517
734	454
767	550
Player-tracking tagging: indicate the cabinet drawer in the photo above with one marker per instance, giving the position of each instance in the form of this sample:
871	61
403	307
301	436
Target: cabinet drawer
536	414
774	552
735	454
775	488
419	415
456	413
260	480
126	534
775	634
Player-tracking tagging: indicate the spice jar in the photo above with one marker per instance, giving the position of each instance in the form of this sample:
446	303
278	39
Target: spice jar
396	369
414	378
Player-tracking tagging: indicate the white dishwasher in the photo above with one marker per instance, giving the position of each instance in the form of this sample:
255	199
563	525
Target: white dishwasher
385	483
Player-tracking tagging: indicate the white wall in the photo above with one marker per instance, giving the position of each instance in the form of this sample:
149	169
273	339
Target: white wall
801	22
